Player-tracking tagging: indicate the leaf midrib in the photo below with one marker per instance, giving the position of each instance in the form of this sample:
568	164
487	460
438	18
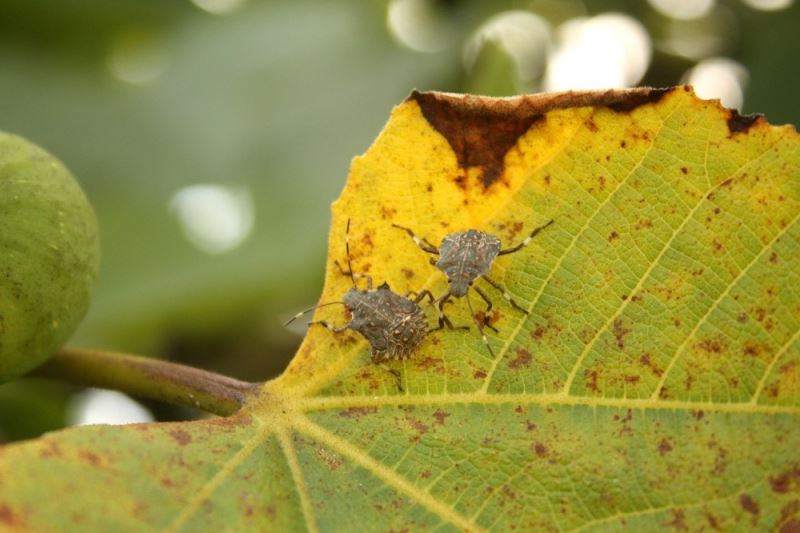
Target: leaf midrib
321	403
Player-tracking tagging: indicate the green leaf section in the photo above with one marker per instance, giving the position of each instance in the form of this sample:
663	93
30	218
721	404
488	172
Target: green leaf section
655	383
48	255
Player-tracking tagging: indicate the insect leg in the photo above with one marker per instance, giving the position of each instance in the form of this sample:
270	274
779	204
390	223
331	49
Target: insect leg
443	320
488	308
422	243
395	373
480	326
506	295
525	242
354	275
329	326
421	296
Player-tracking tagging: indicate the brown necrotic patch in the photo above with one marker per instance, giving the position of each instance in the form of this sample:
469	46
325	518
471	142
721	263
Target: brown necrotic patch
480	135
738	123
9	518
637	99
749	504
481	130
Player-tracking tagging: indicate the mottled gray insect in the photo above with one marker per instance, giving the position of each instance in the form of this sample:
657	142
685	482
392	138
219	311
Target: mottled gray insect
394	325
465	257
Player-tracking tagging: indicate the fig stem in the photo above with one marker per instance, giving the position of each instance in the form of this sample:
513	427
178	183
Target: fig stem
149	378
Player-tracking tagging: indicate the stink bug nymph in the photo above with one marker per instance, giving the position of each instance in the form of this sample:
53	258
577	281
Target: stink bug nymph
465	257
394	325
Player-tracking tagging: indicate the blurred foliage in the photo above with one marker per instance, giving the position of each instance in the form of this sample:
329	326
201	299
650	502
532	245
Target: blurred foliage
276	98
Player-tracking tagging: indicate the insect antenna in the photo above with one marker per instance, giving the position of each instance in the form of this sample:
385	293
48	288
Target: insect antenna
301	313
347	251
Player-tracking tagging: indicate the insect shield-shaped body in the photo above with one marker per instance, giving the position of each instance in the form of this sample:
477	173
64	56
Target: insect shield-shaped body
393	324
465	257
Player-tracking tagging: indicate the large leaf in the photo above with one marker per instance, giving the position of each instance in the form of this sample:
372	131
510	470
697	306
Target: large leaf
655	382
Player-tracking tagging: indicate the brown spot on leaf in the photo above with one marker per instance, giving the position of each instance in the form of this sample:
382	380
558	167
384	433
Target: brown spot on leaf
711	345
523	359
591	382
626	428
712	521
540	449
678	521
792	526
426	474
612	236
407	272
357	412
773	258
418	426
479	374
331	460
53	449
9	518
684	170
664	447
749	504
440	416
590	125
786	481
645	360
738	123
181	437
620	331
432	363
89	457
720	460
387	212
751	350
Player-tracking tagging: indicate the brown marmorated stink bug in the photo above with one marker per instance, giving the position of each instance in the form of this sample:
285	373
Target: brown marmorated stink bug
465	257
394	325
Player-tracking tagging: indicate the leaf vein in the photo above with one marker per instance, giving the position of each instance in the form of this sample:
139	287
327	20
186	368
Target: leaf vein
715	305
390	477
646	275
297	475
586	226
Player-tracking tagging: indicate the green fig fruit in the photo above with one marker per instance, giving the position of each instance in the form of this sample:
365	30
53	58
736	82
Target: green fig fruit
49	251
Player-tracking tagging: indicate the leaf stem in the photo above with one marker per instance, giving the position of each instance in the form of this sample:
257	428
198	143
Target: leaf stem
149	378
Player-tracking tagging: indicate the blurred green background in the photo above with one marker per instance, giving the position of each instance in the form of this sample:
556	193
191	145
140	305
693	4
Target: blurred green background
212	135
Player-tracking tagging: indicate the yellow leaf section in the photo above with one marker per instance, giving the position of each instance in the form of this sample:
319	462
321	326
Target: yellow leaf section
411	176
673	225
